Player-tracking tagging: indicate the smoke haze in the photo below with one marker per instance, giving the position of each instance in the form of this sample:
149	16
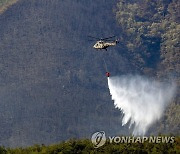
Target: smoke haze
141	100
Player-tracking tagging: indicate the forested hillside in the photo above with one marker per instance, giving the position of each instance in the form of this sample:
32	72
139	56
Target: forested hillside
152	30
85	146
52	82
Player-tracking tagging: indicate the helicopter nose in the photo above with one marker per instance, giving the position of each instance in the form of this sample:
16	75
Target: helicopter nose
94	46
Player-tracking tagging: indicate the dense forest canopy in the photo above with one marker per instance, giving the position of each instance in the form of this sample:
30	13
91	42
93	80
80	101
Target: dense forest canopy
85	146
152	31
152	34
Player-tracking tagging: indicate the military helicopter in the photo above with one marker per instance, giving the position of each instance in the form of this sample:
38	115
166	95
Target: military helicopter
103	43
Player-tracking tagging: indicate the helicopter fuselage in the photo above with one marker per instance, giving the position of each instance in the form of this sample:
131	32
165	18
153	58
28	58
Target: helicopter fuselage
104	44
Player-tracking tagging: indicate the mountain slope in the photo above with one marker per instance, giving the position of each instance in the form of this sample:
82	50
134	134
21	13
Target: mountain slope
52	82
151	32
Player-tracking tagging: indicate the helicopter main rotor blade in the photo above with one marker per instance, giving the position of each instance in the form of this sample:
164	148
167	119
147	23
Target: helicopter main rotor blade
92	40
94	37
108	38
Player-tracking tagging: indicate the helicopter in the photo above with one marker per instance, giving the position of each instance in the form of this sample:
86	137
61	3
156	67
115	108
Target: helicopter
103	43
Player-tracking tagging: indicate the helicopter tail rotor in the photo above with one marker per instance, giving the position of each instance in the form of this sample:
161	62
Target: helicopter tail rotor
117	41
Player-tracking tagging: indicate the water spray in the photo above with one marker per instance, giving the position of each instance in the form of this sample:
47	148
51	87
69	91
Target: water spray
141	100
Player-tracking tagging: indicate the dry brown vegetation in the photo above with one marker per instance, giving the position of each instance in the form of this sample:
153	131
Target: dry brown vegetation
4	4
